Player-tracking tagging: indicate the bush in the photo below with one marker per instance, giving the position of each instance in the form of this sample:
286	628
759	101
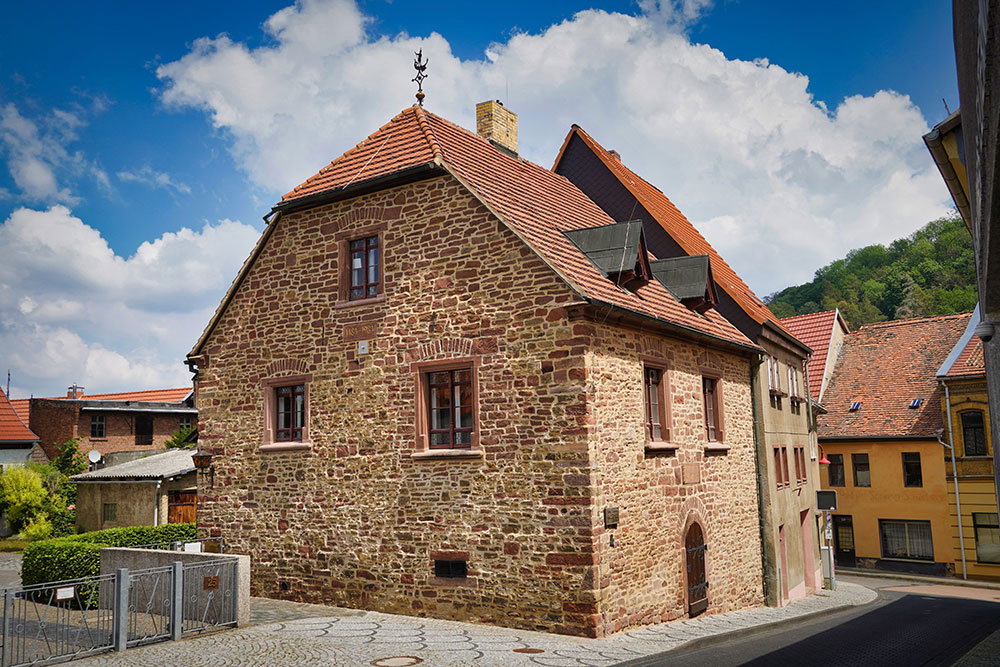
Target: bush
39	528
22	494
79	556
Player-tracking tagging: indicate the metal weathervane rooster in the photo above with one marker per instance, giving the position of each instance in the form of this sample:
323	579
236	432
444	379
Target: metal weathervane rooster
420	65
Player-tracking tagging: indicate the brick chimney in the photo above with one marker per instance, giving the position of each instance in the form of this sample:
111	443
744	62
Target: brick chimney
497	123
76	391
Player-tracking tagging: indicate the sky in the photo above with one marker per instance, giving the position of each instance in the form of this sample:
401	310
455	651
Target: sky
141	143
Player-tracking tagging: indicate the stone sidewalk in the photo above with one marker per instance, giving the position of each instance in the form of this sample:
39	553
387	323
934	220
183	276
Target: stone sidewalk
348	637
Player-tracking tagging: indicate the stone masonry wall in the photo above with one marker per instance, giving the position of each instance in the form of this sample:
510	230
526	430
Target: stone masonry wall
642	576
356	520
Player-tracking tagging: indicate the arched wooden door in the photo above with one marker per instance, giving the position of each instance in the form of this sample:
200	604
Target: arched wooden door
697	582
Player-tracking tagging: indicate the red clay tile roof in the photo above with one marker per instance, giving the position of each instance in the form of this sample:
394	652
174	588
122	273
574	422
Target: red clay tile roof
150	395
970	361
12	427
21	407
816	331
885	366
536	203
680	229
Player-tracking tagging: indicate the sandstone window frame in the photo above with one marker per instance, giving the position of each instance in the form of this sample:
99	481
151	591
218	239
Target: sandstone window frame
270	387
422	395
801	473
663	404
781	466
713	410
344	240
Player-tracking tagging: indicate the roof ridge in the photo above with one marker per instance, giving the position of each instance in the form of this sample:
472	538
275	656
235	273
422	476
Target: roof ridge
427	130
911	320
822	312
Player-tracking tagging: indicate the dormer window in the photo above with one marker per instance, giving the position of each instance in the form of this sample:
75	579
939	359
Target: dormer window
688	279
618	251
916	403
855	406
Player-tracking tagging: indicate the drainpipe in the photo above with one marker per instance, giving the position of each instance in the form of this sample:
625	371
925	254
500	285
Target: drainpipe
767	550
156	506
954	476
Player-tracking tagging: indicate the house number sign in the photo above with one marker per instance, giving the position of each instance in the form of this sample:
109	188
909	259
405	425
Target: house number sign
359	331
211	583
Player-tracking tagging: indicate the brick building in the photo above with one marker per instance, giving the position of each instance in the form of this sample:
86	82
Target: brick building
786	450
111	423
446	383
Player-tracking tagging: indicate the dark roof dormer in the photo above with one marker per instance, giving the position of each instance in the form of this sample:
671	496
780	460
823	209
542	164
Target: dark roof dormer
618	251
688	279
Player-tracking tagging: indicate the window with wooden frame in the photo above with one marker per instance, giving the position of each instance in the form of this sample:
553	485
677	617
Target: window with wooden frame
447	408
912	474
711	391
862	473
800	465
186	422
286	412
366	269
97	425
974	433
110	512
781	467
656	403
836	470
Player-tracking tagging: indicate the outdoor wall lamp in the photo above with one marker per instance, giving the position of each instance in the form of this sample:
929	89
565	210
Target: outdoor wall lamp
823	461
203	462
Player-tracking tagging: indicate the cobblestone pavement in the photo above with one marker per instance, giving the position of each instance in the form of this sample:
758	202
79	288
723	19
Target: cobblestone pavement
348	637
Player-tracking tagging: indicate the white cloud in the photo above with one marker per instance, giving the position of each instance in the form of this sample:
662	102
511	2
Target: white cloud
71	310
779	183
38	157
155	179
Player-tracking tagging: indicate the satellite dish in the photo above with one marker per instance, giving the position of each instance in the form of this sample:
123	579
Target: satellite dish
94	456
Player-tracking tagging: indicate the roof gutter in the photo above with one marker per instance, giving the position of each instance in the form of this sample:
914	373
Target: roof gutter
677	329
774	327
857	438
935	144
409	175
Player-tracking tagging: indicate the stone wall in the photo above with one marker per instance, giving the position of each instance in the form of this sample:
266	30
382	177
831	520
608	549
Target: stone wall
642	575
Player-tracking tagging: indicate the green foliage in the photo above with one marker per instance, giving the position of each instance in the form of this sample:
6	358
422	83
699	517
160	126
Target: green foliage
70	460
180	437
931	272
22	494
39	528
80	555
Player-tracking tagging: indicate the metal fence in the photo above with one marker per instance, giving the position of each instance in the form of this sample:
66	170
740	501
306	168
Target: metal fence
67	619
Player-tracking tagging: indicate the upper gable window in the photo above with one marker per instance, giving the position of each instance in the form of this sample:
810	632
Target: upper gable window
365	268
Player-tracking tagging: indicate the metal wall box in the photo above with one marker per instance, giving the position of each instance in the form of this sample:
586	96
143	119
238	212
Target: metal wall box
826	500
610	517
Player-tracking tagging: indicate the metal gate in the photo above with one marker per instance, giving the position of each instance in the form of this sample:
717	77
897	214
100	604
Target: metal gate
68	619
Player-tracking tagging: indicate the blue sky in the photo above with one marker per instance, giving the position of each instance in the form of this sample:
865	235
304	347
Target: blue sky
141	148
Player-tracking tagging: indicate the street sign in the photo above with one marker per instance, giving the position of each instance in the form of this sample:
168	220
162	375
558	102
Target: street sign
826	500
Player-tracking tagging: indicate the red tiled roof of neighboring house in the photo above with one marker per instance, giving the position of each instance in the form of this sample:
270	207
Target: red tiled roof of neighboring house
816	331
885	366
21	407
12	427
149	395
680	229
535	203
970	361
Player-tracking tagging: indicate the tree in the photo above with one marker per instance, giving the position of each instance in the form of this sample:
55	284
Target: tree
182	437
22	494
70	460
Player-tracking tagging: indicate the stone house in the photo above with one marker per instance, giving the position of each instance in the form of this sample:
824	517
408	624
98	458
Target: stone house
966	420
785	439
446	383
880	433
150	491
110	423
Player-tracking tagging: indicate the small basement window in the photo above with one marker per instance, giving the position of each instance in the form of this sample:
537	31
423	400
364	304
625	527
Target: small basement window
451	569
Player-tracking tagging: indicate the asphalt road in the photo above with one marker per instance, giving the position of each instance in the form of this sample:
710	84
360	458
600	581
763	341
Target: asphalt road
898	629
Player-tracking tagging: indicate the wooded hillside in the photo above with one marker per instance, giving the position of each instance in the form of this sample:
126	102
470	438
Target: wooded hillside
931	272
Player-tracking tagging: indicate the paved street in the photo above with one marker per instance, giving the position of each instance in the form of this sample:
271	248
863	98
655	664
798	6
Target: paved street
346	637
910	624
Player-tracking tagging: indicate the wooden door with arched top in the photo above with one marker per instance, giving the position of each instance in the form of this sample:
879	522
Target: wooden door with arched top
697	581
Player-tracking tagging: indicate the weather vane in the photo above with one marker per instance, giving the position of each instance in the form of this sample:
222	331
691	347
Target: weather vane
420	65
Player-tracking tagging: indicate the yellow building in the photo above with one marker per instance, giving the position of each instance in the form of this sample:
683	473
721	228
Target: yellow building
880	434
966	420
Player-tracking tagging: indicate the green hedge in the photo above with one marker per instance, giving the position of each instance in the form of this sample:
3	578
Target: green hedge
79	556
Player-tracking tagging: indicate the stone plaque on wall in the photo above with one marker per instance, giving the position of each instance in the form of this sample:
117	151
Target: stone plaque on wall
360	331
